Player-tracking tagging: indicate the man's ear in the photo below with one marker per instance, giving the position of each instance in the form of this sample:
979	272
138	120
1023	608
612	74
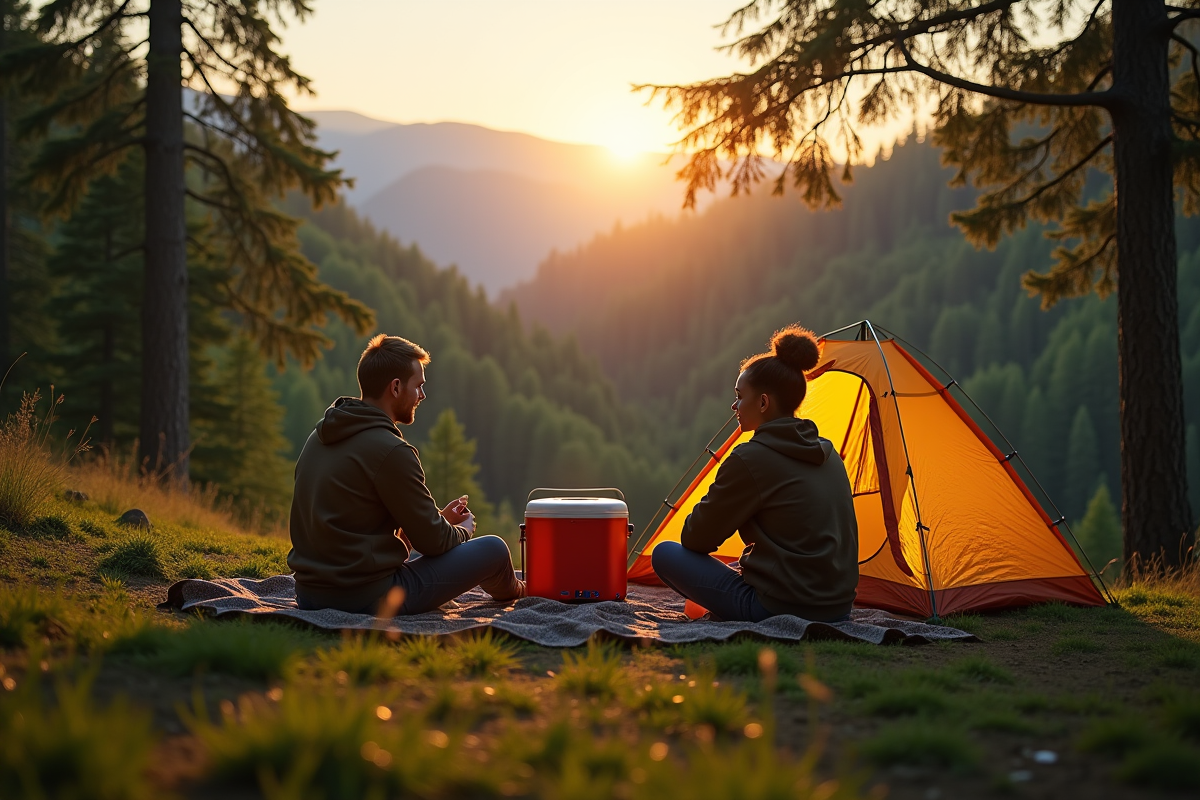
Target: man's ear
397	387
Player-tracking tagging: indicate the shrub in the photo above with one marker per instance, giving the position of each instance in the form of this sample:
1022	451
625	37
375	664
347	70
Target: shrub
71	748
30	475
138	556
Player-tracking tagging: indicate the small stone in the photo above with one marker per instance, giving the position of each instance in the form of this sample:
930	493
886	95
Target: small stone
75	497
1020	776
135	518
1045	757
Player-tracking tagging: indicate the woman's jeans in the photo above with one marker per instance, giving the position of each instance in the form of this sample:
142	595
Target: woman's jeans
711	583
432	581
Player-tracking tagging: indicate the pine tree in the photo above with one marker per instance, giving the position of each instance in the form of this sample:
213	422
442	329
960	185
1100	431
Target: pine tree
1099	532
1031	97
1083	455
233	152
450	469
243	451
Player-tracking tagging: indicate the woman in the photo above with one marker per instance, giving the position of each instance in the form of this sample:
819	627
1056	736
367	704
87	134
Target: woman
786	492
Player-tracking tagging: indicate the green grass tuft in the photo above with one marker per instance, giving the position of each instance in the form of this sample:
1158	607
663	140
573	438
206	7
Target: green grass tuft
257	568
138	556
1115	736
484	654
361	660
71	748
1076	644
907	702
741	658
431	659
27	614
1178	654
50	527
597	672
329	746
194	566
247	649
1182	716
921	744
1163	765
980	669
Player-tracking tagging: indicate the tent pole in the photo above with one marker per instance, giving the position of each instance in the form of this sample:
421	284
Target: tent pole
1014	453
912	481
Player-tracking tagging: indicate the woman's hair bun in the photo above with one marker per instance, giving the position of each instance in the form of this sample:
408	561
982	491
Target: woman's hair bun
797	347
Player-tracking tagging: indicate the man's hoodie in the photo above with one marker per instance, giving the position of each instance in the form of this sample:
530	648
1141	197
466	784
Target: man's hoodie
787	493
360	504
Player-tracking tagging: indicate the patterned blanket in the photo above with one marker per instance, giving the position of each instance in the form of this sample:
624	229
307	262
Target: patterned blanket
651	615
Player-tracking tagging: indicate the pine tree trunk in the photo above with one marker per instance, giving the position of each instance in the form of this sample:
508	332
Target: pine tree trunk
1154	503
164	408
5	291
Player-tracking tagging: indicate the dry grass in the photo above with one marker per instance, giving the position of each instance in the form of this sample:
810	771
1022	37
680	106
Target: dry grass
30	474
115	483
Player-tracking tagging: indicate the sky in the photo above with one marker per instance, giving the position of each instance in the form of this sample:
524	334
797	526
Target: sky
558	69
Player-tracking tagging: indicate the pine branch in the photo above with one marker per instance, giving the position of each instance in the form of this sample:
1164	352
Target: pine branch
1105	99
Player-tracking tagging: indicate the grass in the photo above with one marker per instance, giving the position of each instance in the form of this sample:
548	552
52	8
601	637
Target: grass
284	712
71	747
30	475
597	672
138	556
257	650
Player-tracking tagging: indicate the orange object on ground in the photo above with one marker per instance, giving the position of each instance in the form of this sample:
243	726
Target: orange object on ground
945	522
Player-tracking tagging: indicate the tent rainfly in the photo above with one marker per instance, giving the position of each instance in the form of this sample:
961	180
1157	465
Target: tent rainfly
945	522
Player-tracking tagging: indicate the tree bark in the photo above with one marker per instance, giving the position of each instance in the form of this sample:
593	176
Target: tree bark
1154	502
5	291
164	409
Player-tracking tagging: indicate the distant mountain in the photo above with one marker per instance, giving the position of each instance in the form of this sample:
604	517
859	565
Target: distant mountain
548	194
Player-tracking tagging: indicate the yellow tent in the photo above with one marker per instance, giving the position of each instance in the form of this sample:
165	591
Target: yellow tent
946	524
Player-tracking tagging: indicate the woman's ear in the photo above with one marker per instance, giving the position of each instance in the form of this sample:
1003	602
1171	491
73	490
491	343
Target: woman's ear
764	402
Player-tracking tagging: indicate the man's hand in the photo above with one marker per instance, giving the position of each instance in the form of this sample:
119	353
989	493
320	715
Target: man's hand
469	523
456	512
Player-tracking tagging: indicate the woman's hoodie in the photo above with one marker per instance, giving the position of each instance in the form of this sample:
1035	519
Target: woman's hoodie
359	506
787	493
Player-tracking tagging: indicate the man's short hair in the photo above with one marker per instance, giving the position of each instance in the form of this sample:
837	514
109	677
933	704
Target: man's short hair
385	359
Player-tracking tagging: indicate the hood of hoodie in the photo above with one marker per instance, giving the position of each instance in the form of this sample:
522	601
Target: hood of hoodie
795	438
349	416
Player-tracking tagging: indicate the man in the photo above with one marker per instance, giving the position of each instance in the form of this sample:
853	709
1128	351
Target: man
361	505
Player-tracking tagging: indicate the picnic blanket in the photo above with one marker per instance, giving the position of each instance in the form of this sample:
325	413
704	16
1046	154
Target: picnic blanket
651	615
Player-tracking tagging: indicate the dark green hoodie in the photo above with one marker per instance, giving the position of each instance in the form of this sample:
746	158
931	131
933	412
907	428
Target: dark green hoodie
787	493
360	503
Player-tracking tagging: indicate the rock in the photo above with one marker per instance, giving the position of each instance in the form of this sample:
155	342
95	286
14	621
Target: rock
135	518
75	497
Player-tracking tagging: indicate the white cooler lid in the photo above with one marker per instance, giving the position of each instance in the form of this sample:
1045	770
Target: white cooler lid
576	507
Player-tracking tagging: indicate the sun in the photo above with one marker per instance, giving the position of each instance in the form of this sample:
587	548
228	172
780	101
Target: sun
624	145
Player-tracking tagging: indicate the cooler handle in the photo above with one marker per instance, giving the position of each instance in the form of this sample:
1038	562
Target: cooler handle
524	566
579	492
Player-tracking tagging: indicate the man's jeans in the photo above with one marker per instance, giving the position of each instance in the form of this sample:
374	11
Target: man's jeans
709	582
431	581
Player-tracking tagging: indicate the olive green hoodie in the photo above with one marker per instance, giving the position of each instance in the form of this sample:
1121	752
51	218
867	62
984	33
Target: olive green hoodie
360	505
787	493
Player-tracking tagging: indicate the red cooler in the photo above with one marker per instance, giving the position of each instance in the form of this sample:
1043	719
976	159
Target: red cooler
575	548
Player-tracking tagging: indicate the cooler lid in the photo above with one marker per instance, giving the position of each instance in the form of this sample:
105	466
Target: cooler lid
576	508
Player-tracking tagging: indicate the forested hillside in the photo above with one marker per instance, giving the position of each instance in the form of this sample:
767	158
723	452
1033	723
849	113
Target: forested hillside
542	412
669	308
